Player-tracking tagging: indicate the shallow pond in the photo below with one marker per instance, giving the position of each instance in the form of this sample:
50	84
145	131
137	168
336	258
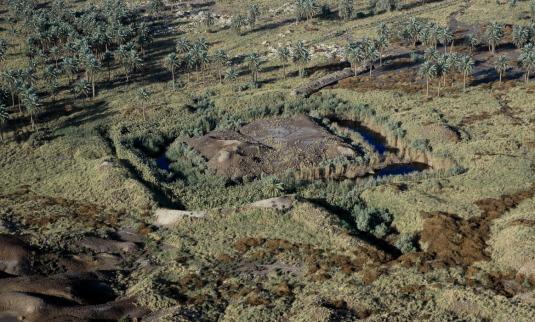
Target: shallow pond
375	139
401	169
163	162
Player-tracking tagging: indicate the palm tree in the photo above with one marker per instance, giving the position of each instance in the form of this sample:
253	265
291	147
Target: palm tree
220	60
428	70
386	5
381	44
445	65
445	37
3	49
473	42
501	64
521	36
411	30
305	9
144	37
300	56
30	100
107	59
527	60
371	54
253	63
345	9
183	45
81	87
493	35
69	65
130	62
283	53
238	22
9	78
231	74
432	55
91	65
4	116
354	53
156	7
253	14
383	31
200	53
50	75
171	62
466	66
144	96
207	20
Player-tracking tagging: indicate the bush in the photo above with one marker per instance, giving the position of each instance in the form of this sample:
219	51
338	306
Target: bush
151	143
272	187
406	243
372	220
200	103
422	145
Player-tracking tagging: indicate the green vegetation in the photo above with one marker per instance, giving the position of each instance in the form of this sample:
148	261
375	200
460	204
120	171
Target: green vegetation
423	124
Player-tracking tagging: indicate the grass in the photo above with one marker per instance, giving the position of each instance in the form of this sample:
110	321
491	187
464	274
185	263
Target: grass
89	159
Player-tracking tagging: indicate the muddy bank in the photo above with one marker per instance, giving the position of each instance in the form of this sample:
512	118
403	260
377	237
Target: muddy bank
389	155
270	146
62	286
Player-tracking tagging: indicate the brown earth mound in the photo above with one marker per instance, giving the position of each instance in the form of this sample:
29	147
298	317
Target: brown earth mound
269	146
457	241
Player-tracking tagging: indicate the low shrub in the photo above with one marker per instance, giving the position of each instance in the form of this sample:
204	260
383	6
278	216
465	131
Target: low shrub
372	220
407	243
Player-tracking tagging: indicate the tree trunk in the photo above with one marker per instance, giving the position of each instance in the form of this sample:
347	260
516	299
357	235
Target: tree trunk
438	88
427	87
464	82
143	111
32	121
284	71
381	58
93	85
500	78
173	75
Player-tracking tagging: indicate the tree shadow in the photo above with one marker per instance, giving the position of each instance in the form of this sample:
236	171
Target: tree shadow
345	216
270	26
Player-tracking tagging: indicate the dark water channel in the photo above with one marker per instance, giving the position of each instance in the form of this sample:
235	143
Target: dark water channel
163	162
401	169
375	139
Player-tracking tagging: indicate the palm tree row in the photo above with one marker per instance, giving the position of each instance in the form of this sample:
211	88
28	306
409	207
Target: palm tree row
440	65
58	41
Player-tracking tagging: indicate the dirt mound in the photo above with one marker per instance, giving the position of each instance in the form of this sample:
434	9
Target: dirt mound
76	282
442	132
15	257
269	146
457	241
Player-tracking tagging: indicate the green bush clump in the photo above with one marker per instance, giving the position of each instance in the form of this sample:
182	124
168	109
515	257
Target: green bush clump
422	145
200	103
246	86
407	243
272	187
150	143
372	220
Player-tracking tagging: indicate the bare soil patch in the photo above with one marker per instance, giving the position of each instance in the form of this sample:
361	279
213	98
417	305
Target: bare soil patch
269	146
458	241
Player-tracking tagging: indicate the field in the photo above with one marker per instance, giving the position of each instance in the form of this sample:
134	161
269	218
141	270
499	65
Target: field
214	191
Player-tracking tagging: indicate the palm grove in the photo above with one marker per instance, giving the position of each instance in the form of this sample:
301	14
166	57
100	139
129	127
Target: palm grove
78	49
